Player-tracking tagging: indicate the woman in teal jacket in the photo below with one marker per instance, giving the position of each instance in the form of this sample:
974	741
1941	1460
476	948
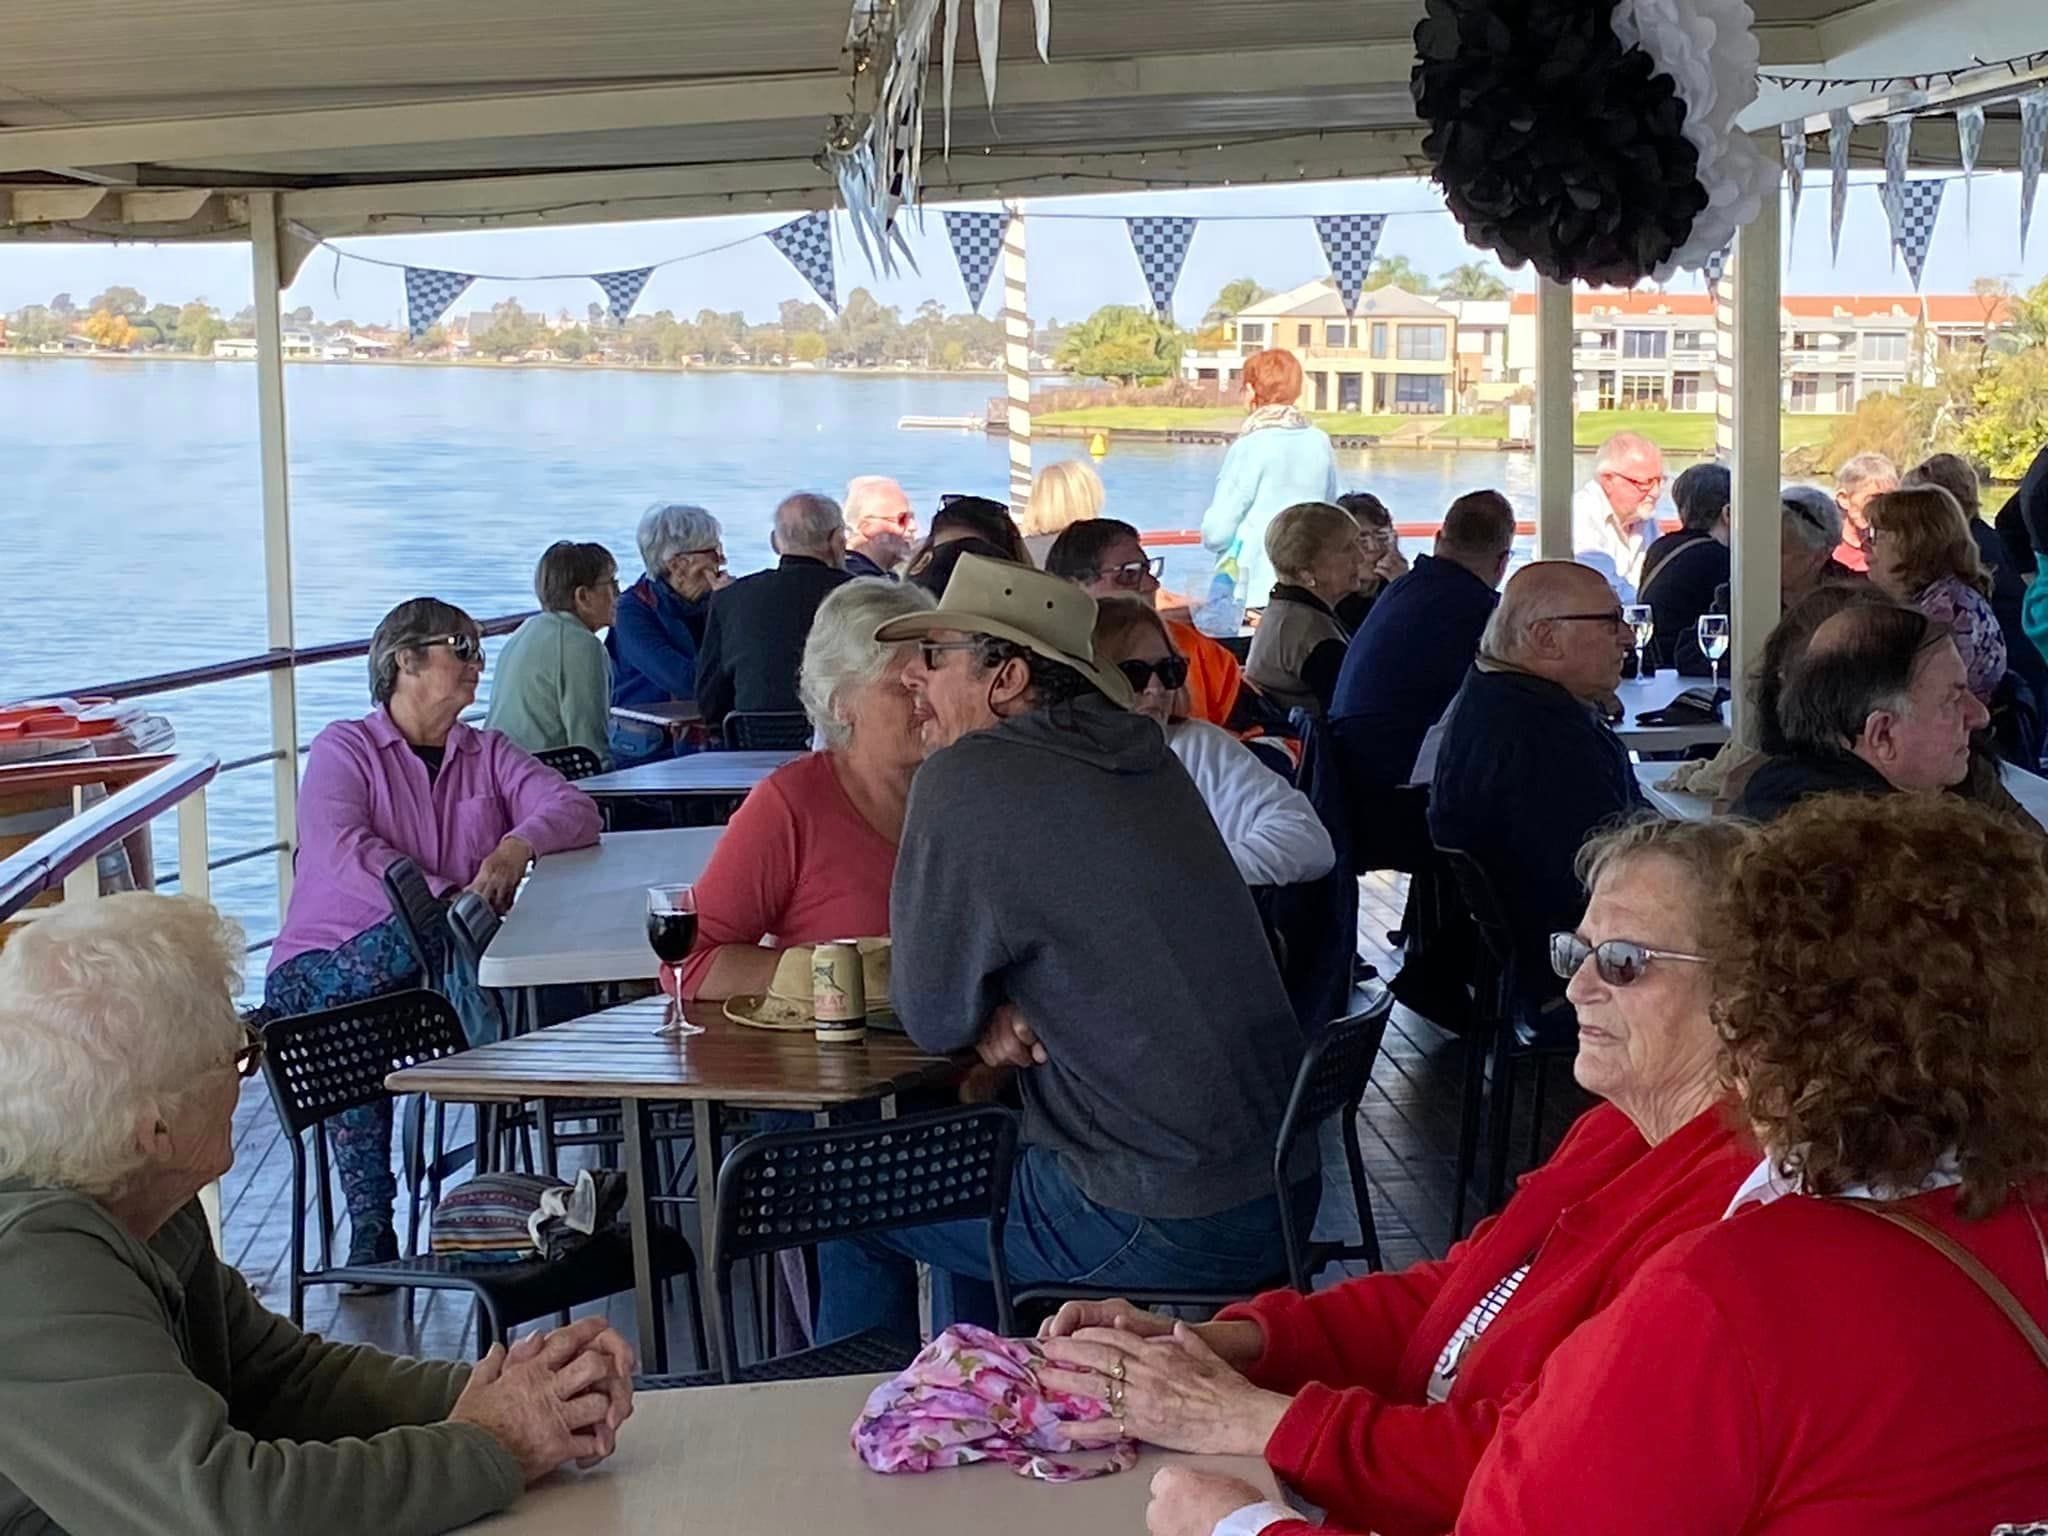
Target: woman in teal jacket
1279	460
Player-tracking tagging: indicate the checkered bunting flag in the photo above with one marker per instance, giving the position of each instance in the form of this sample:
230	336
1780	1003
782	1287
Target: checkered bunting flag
807	242
1350	241
977	240
2033	140
1913	212
1839	125
1792	137
428	293
1162	247
622	290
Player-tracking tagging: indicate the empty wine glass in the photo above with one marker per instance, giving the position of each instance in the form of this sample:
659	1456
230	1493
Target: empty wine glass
1639	618
672	933
1713	633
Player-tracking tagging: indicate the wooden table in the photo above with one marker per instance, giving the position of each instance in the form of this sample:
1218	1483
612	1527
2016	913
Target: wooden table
774	1458
1638	696
619	1055
582	915
718	774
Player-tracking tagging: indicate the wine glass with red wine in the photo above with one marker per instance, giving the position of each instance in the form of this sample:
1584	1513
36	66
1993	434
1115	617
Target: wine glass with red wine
672	932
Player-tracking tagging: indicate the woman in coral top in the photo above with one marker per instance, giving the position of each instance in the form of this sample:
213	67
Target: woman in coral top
1377	1398
809	856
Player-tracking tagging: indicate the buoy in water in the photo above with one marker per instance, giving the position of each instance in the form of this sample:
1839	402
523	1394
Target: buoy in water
1098	445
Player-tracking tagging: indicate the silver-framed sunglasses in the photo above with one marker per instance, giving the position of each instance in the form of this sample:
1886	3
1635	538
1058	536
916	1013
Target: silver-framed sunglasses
1619	962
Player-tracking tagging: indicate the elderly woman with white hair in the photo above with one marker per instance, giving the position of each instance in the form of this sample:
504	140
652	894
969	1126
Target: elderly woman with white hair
810	854
408	780
142	1386
659	627
1860	478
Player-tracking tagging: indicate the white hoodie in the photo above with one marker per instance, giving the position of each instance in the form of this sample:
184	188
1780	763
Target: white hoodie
1273	833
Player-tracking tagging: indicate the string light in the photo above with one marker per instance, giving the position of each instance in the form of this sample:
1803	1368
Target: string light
1919	82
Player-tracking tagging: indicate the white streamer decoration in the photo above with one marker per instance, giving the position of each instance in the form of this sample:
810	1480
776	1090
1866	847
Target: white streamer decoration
1969	140
1709	49
1839	125
1898	149
1792	139
2033	139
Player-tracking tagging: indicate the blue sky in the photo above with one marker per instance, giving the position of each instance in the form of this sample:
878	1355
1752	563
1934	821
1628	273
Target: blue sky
1075	266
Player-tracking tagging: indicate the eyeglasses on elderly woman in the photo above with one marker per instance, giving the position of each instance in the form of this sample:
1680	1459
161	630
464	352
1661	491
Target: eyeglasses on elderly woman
249	1059
1619	962
468	649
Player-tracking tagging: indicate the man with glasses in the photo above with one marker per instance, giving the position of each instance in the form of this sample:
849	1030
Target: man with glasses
1614	514
1527	768
881	529
1105	557
1063	904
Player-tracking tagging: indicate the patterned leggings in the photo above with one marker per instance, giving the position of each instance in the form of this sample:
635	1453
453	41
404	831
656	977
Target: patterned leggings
374	962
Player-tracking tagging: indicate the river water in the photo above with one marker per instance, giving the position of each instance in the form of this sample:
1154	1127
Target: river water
131	518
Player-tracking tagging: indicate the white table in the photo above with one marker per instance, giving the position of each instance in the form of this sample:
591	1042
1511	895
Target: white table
1639	695
675	712
775	1458
582	915
2030	789
720	774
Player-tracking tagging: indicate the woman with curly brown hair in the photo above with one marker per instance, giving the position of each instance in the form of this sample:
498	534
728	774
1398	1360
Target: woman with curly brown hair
1806	1366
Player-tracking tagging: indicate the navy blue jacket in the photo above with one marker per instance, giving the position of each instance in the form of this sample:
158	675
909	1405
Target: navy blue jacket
653	645
1524	773
754	640
1403	670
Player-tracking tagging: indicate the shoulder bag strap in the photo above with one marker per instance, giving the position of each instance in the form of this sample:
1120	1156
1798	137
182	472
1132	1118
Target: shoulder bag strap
1968	1263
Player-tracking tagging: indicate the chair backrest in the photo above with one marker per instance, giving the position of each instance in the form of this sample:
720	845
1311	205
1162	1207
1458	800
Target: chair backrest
471	927
571	762
319	1064
1333	1074
420	913
1484	903
788	1189
767	731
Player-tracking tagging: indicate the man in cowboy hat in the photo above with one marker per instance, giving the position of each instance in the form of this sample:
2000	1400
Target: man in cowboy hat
1064	904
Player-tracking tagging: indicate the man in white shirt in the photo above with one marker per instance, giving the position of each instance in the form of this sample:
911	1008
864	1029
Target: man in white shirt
1614	515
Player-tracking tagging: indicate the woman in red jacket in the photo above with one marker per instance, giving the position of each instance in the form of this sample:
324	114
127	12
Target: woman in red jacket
1376	1399
1806	1368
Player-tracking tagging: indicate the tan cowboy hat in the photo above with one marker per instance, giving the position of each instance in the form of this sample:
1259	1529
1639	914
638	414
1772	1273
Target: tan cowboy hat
1046	614
789	1004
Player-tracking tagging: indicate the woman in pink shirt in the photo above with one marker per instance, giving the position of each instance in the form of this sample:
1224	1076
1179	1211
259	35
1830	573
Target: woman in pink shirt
409	780
809	856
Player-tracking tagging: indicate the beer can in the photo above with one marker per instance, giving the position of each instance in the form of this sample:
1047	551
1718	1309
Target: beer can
839	1000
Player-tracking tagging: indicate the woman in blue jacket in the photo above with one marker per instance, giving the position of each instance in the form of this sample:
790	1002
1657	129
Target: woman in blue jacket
660	622
1279	460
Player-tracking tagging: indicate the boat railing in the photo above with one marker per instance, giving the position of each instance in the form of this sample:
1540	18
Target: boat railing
196	862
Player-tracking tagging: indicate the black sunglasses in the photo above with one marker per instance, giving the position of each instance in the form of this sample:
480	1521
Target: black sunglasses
1620	962
249	1059
1171	671
466	648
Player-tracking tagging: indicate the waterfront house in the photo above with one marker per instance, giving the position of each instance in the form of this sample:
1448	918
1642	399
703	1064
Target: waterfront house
1397	354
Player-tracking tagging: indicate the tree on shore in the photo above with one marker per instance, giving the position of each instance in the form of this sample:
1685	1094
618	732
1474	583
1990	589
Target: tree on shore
1398	272
104	328
1237	295
1123	343
1473	280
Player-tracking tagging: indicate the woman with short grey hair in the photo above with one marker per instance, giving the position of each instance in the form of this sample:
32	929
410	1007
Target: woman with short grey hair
142	1386
1860	478
811	853
409	780
659	625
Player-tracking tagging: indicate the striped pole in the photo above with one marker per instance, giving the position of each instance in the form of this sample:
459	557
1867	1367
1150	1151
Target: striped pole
1724	365
1017	359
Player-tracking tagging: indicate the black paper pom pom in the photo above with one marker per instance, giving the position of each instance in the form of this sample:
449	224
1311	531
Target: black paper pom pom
1553	144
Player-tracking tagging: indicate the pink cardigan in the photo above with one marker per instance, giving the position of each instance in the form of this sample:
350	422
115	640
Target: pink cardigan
366	801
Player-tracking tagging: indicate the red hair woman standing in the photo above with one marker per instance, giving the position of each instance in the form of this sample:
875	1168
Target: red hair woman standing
1279	460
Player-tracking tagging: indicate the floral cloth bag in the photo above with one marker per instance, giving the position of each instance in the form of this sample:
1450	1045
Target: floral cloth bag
972	1396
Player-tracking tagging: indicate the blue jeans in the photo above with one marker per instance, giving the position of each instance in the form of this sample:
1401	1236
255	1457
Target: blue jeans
1055	1234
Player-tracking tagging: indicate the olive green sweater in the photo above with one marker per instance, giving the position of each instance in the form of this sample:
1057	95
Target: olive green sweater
144	1389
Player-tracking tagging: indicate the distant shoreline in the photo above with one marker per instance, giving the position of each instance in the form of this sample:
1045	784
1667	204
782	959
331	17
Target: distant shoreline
560	365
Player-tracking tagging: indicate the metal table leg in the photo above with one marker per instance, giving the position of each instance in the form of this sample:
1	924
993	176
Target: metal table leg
648	1314
704	1132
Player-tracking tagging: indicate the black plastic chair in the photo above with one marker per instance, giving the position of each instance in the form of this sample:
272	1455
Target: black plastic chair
422	915
1332	1078
571	762
1508	1031
318	1065
767	731
789	1189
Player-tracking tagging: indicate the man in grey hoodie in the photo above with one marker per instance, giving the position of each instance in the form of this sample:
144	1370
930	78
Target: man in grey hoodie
1064	904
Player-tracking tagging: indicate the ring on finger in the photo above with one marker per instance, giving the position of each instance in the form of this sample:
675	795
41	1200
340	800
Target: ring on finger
1116	1397
1116	1372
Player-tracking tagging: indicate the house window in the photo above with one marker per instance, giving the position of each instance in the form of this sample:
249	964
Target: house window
1691	341
1251	332
1419	343
1882	386
1379	338
1644	343
1805	392
1807	341
1604	383
1642	391
1304	335
1336	335
1419	394
1685	392
1884	347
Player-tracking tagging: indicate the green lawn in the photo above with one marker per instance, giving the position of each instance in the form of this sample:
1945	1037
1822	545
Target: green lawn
1112	418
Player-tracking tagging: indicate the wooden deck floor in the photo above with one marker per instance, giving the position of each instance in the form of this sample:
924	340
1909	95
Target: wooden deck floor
1408	1132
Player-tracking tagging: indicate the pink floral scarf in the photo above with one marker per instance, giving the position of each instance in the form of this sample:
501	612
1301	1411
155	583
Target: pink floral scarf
972	1396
